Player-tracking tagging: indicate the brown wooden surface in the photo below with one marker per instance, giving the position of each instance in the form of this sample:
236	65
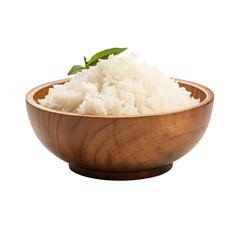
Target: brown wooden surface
120	147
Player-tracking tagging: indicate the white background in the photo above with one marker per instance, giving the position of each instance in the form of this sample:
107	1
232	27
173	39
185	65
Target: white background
193	40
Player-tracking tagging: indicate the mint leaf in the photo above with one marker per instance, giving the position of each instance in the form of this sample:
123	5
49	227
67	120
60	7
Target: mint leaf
85	60
95	58
103	55
75	69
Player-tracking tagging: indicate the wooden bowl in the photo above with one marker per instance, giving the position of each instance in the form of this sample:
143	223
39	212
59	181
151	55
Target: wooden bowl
120	147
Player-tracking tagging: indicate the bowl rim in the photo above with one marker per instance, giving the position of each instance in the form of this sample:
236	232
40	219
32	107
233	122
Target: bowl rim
30	100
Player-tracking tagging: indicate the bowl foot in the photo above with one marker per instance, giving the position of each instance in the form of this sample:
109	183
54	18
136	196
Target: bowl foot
121	175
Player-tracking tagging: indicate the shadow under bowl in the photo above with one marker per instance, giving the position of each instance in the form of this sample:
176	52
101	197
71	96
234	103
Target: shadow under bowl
120	147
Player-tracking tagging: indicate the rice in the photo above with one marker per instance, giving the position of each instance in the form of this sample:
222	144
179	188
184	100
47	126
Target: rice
119	86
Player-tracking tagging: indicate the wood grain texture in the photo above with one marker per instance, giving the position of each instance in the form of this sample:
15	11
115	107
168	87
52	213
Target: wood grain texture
120	147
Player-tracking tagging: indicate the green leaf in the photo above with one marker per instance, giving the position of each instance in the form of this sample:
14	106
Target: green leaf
95	58
85	60
104	55
75	69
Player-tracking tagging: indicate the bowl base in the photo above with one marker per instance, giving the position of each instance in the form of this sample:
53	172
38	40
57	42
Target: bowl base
121	175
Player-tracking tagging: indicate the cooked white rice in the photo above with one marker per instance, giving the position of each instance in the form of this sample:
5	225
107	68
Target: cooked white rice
119	86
